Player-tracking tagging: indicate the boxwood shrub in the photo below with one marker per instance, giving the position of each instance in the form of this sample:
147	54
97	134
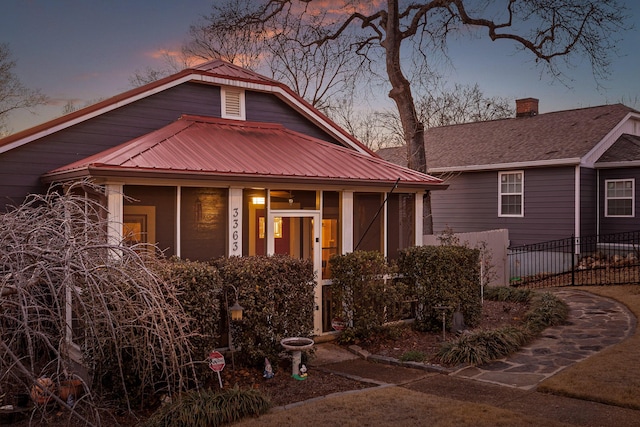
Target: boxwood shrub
442	276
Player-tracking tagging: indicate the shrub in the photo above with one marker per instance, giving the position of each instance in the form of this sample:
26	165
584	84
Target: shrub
508	294
364	300
446	276
546	310
483	346
277	294
208	408
199	291
413	356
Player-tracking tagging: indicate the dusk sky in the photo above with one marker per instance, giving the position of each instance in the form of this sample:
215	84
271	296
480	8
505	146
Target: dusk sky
83	50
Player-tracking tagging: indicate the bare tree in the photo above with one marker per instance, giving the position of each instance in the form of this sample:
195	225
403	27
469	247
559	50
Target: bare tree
13	94
172	63
71	304
550	31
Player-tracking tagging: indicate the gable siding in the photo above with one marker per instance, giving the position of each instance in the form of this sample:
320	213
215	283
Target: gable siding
23	166
618	225
588	202
471	204
264	107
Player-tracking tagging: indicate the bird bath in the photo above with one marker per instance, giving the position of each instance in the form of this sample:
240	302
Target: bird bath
296	345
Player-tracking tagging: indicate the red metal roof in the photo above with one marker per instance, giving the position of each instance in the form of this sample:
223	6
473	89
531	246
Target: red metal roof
228	149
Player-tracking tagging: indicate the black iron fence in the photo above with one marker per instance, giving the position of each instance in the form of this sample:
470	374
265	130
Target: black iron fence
609	259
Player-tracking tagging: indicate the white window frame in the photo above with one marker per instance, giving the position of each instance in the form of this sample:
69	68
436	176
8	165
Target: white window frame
228	94
632	197
520	193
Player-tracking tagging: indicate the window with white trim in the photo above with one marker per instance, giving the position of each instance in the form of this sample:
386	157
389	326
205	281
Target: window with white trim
233	103
620	197
511	193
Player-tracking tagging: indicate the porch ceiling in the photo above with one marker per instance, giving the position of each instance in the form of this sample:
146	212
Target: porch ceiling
202	147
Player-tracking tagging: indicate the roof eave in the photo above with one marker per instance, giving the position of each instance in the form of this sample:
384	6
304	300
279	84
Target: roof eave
110	172
503	166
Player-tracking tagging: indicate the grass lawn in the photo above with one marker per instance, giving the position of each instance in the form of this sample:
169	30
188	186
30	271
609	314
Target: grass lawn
394	406
613	375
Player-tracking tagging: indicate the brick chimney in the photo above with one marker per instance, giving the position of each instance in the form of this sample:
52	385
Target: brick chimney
526	107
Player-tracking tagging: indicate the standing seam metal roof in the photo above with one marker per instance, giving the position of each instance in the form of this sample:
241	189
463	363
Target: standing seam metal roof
228	147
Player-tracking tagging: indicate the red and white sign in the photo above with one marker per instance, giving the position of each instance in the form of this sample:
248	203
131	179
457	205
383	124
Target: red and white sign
338	324
216	361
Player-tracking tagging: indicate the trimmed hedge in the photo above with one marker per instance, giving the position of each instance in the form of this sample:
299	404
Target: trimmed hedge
360	294
200	288
446	276
277	294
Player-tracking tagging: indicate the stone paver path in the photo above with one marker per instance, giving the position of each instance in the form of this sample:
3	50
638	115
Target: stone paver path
595	323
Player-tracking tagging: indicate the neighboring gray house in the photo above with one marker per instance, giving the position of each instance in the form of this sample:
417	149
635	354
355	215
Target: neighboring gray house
541	176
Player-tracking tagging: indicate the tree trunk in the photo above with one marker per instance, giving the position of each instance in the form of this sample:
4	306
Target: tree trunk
401	94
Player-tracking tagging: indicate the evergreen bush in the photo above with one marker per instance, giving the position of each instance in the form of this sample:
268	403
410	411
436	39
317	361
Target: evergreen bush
442	276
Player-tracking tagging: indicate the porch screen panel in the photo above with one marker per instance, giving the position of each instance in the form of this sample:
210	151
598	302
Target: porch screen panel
401	223
203	228
367	228
164	201
331	226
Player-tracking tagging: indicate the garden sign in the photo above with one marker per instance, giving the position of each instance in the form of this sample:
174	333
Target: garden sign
216	363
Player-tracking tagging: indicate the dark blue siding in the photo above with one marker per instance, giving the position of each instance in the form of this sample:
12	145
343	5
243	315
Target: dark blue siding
618	225
264	107
588	202
471	204
22	167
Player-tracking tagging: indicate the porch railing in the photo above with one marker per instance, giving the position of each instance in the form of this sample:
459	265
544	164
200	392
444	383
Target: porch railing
587	260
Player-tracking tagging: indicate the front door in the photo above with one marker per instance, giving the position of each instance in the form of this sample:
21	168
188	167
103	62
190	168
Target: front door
297	233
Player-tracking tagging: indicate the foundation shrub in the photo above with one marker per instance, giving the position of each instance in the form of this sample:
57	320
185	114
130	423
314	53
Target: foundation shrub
446	276
360	294
199	288
277	294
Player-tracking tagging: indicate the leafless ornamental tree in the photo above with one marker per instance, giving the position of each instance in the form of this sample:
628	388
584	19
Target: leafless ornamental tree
73	305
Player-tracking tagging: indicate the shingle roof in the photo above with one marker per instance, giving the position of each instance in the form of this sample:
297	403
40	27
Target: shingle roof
626	148
561	135
204	148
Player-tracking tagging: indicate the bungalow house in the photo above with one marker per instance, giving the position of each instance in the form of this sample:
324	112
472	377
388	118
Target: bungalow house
218	160
540	176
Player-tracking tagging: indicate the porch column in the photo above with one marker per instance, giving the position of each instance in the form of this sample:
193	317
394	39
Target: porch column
235	222
347	222
418	221
115	214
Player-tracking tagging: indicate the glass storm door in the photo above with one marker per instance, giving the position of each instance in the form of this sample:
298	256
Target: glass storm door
297	234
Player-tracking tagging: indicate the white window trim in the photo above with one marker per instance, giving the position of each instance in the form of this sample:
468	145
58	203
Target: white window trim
500	194
226	91
607	198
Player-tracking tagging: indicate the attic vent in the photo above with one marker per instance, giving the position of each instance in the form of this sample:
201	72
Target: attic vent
233	103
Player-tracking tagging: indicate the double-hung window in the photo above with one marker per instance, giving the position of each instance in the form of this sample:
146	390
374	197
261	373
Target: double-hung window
511	194
620	197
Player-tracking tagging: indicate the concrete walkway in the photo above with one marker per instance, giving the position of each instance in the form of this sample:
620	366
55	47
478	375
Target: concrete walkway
594	324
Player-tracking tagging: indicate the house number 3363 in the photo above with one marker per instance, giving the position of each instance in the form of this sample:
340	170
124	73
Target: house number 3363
235	221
